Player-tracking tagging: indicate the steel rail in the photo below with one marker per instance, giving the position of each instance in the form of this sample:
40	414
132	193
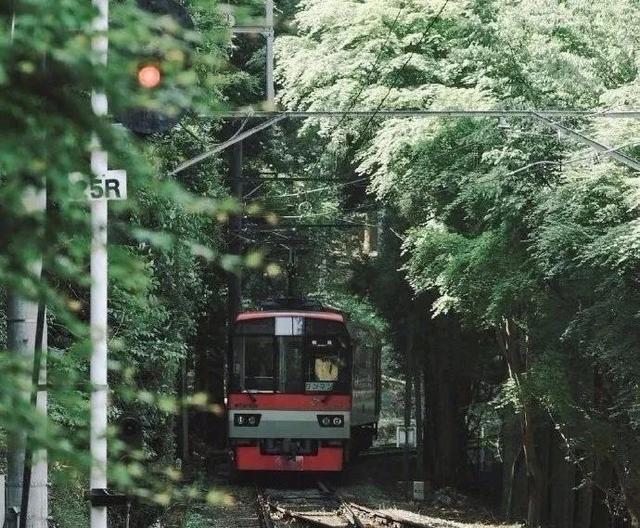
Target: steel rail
349	514
264	510
388	518
328	509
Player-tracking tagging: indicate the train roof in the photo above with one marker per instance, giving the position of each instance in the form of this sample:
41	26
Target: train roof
293	307
324	315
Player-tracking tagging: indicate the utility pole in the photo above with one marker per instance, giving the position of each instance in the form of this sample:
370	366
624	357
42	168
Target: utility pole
235	222
98	375
271	94
22	320
268	33
235	225
292	273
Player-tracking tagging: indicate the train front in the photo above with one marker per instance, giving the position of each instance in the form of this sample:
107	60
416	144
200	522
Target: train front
289	396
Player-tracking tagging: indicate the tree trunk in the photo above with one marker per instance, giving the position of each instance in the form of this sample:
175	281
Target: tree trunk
562	481
630	481
417	388
447	397
407	408
514	345
511	455
603	482
583	505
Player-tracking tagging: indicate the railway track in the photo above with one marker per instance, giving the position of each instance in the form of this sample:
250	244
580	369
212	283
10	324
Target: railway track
322	508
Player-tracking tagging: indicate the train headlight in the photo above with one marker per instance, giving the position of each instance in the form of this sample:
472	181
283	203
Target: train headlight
331	420
246	420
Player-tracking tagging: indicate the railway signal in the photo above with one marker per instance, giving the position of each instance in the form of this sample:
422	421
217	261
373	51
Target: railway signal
154	75
130	434
149	76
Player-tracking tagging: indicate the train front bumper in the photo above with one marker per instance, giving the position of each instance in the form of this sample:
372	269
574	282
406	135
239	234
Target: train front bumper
250	458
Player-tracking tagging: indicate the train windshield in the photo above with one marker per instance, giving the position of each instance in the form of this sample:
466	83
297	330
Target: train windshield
291	355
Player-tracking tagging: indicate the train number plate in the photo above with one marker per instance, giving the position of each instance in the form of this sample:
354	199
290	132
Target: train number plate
318	386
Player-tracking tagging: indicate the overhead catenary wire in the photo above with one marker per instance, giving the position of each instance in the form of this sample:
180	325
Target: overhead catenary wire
568	161
238	136
429	113
320	189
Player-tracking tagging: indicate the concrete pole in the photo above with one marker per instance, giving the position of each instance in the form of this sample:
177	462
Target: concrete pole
38	513
99	388
34	507
22	315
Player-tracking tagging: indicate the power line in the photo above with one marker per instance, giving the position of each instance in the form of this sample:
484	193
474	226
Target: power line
320	189
423	113
603	149
238	136
343	225
569	161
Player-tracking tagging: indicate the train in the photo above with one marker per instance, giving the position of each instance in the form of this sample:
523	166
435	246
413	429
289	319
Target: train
303	389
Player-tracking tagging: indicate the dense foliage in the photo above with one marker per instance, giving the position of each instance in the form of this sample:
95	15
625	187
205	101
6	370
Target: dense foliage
494	260
166	250
522	236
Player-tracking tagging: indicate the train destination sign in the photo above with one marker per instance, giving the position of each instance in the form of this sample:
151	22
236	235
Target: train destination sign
318	386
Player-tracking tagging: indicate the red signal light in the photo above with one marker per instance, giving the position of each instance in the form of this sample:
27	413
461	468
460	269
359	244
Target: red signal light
149	76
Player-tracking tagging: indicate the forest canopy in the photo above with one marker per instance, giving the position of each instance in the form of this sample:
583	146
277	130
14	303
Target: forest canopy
494	258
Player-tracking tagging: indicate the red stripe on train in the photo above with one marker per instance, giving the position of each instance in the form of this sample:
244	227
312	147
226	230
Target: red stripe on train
290	402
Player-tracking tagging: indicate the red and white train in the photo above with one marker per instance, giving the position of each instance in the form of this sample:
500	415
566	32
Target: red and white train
303	392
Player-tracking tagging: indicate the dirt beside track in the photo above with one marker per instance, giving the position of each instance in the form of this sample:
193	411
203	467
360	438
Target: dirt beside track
375	481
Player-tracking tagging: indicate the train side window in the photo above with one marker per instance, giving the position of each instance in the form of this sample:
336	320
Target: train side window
363	368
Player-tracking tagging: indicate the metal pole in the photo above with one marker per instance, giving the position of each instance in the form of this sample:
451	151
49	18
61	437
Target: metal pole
99	389
235	225
271	94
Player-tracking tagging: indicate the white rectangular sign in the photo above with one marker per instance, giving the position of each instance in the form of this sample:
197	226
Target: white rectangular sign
113	186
